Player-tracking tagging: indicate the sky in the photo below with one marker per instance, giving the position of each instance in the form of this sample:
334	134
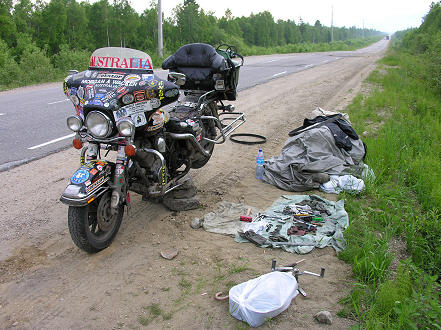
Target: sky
383	15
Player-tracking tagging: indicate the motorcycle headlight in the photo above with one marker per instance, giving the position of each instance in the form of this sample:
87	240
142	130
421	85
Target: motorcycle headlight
74	123
98	124
126	127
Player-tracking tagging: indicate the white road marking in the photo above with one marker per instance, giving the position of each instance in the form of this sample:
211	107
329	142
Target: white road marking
2	114
52	141
278	74
309	66
58	101
325	61
271	61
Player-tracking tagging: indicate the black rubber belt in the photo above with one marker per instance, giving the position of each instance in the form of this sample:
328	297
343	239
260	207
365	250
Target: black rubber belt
261	138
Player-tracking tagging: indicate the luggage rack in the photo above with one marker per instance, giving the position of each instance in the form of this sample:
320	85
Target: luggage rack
237	119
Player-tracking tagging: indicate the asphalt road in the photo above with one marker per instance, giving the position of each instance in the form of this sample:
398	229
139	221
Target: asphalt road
33	119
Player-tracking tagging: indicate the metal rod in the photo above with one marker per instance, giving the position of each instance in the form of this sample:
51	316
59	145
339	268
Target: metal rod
291	244
160	44
192	139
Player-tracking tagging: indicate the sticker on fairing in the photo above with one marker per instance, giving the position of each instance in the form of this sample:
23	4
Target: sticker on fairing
110	76
156	121
147	77
155	103
132	109
80	92
139	119
132	77
98	183
80	176
153	83
172	92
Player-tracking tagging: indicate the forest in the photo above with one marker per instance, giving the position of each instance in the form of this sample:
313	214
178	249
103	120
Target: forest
47	39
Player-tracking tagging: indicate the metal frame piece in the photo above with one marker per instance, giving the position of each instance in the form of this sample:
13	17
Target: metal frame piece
225	130
82	200
190	137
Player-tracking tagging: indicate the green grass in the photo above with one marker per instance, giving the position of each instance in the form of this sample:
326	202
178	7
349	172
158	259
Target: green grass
237	268
200	285
185	284
402	120
154	311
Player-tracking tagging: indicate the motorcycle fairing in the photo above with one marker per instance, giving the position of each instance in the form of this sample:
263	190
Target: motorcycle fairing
87	182
104	89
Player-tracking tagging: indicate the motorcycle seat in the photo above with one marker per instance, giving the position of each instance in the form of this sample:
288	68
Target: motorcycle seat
198	62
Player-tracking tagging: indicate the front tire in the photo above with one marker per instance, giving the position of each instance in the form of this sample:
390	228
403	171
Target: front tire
93	227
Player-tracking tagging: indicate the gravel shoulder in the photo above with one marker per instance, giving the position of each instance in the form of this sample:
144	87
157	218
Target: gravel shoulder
46	282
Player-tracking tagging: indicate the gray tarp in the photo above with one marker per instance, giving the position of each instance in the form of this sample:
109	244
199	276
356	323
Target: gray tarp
312	151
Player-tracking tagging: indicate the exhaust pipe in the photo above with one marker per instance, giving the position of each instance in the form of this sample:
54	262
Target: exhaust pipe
192	139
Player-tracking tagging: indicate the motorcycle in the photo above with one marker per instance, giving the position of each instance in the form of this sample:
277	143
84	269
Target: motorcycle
120	108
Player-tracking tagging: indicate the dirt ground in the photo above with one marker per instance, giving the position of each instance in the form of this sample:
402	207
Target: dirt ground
47	282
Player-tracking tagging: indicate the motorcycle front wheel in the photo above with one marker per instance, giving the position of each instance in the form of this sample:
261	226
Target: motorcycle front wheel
93	227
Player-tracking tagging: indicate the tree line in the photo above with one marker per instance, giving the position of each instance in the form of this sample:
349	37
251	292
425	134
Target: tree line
90	26
62	28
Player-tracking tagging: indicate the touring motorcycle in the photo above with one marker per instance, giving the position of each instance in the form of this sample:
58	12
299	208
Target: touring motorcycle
121	107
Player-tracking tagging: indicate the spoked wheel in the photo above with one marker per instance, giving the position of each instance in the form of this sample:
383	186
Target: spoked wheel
93	227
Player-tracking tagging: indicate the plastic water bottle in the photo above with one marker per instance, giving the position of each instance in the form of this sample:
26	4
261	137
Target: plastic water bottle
259	165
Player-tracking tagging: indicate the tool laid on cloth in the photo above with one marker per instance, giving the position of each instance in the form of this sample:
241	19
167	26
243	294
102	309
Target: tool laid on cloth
294	230
259	240
296	272
246	217
278	244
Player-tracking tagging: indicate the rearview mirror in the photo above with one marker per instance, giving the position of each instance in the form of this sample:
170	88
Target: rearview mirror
177	78
71	72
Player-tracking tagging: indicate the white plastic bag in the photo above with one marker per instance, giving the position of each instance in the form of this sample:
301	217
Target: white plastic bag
262	298
337	184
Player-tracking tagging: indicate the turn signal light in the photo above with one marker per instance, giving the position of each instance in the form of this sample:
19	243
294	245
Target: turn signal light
130	150
77	143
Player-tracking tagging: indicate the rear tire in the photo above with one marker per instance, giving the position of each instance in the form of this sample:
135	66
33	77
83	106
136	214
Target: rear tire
210	132
92	227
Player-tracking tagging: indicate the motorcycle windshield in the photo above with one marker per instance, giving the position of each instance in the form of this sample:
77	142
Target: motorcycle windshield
118	58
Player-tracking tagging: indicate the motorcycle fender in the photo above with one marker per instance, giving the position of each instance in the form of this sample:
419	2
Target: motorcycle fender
89	182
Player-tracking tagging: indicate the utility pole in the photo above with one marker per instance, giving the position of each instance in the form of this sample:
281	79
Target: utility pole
332	23
160	44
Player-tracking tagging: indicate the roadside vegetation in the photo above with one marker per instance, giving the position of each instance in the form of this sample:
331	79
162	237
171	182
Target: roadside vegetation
42	41
394	240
